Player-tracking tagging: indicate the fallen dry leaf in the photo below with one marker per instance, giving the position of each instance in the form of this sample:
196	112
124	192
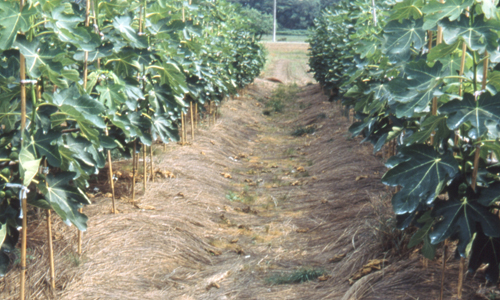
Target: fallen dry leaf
108	195
324	277
234	241
248	180
274	166
239	250
336	258
213	284
203	153
145	207
227	175
300	169
303	230
180	194
296	183
213	252
233	109
211	141
361	177
374	264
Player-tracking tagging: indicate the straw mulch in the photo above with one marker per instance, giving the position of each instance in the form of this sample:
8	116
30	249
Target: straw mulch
249	202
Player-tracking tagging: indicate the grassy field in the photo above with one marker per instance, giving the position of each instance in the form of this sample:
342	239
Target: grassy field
288	62
289	38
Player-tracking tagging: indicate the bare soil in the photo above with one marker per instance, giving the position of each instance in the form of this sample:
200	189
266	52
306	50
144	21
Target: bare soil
249	203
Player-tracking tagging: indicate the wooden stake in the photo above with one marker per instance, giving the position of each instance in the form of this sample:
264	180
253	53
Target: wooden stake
111	181
192	120
151	162
144	167
134	169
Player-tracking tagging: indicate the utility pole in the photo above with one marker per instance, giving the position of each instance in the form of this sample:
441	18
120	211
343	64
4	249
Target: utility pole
274	22
374	13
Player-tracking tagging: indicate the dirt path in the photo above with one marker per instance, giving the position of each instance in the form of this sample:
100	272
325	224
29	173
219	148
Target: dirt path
250	205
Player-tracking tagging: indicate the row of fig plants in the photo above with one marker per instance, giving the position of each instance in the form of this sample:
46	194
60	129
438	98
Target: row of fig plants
79	78
425	74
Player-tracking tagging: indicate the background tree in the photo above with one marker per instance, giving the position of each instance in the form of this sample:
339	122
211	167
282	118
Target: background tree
291	14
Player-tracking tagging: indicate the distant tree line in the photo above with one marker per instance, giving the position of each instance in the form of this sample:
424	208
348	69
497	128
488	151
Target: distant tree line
291	14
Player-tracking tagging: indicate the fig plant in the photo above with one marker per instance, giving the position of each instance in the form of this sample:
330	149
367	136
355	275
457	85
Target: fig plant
425	76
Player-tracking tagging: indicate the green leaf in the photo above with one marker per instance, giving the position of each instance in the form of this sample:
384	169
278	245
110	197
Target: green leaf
422	84
407	9
164	128
401	37
65	199
435	11
461	218
28	166
489	8
479	36
442	50
46	146
436	124
111	95
38	54
12	21
422	174
475	112
122	25
484	251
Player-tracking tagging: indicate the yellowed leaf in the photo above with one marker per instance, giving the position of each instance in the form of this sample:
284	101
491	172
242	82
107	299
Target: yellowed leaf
336	258
361	177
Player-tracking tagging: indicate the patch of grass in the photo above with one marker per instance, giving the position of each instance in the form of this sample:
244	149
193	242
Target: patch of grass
232	196
303	130
280	96
290	151
74	259
298	276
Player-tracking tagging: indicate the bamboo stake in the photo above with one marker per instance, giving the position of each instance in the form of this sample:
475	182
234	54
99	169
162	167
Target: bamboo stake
51	251
439	40
24	206
49	238
192	120
85	74
151	162
430	35
182	129
134	169
144	171
214	113
185	128
111	181
209	111
196	115
443	268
